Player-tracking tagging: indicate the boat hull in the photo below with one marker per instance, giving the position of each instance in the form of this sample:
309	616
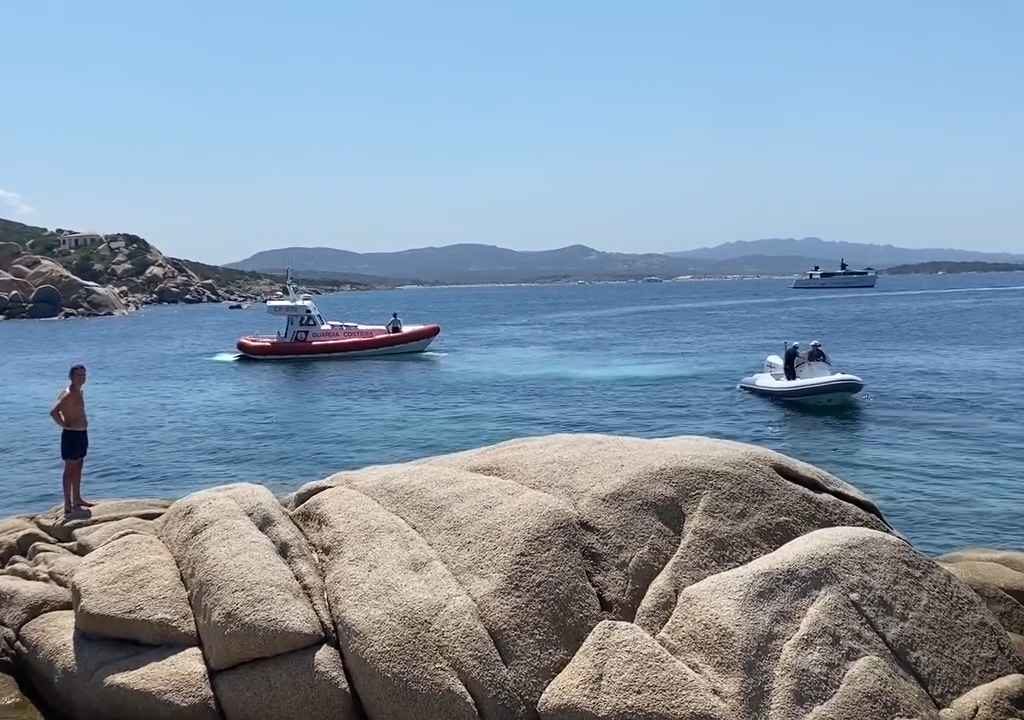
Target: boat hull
862	281
822	390
412	340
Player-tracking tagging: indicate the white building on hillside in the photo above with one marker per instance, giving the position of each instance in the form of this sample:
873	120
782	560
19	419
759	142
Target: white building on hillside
74	241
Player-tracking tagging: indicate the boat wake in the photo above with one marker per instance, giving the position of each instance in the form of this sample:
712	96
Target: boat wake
225	357
528	368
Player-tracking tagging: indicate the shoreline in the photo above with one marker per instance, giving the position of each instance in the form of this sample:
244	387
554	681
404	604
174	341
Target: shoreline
134	307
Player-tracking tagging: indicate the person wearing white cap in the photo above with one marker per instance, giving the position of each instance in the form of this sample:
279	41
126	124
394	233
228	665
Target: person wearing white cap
816	354
789	361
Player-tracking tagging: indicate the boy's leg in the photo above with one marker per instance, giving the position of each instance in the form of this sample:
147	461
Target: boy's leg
68	495
76	485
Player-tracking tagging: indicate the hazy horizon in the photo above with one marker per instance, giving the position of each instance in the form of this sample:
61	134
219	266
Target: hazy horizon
217	132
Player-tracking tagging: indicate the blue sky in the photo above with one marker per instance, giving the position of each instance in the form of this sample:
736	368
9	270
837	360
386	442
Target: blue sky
219	129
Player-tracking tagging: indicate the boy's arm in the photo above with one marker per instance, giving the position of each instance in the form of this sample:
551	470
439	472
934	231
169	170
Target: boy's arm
57	413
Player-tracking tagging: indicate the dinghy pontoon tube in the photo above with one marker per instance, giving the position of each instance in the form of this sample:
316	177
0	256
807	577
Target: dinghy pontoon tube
815	382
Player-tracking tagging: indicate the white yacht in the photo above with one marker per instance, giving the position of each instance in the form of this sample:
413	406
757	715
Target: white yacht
841	278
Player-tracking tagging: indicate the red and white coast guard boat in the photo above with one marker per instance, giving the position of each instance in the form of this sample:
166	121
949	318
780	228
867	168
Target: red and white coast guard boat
308	335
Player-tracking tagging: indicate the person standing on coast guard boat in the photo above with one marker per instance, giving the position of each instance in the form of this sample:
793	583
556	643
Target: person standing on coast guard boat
789	361
394	324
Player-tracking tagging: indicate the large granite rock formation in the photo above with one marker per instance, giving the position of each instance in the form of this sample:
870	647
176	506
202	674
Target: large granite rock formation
8	252
10	284
558	578
13	703
47	287
114	274
143	272
111	278
998	577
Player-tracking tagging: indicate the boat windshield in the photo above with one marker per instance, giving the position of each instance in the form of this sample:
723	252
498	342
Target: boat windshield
806	369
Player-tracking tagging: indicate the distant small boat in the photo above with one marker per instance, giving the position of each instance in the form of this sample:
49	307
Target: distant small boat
817	278
816	382
653	279
236	306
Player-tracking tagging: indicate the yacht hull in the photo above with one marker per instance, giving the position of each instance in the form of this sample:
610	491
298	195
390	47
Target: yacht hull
864	281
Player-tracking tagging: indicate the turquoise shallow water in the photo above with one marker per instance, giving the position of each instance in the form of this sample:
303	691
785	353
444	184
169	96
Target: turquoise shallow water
936	438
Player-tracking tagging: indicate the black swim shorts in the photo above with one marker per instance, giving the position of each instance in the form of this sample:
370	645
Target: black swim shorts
74	444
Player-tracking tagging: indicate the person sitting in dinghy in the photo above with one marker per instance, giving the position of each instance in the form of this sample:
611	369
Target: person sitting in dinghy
789	361
816	354
394	324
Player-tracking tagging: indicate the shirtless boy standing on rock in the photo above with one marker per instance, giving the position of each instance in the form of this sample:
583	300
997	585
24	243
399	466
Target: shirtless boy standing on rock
69	413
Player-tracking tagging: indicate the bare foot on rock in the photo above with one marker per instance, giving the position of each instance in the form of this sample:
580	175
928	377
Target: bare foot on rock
75	513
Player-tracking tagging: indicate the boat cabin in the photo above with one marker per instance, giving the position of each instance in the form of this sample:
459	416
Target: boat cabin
305	323
302	316
816	273
843	271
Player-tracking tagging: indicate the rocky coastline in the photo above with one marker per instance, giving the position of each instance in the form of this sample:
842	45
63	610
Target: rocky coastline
115	275
556	578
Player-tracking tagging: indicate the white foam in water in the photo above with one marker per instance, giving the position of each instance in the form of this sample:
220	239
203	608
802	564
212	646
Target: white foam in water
225	357
628	372
539	363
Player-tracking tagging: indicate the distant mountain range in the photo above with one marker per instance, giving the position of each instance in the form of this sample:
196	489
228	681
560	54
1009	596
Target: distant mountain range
470	263
949	268
474	263
827	251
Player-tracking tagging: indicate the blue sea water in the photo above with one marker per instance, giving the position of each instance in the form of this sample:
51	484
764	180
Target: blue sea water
936	438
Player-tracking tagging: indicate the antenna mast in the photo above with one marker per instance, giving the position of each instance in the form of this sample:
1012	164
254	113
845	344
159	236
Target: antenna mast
288	284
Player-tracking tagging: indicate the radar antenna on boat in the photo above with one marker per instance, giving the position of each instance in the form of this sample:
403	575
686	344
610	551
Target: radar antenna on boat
288	284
